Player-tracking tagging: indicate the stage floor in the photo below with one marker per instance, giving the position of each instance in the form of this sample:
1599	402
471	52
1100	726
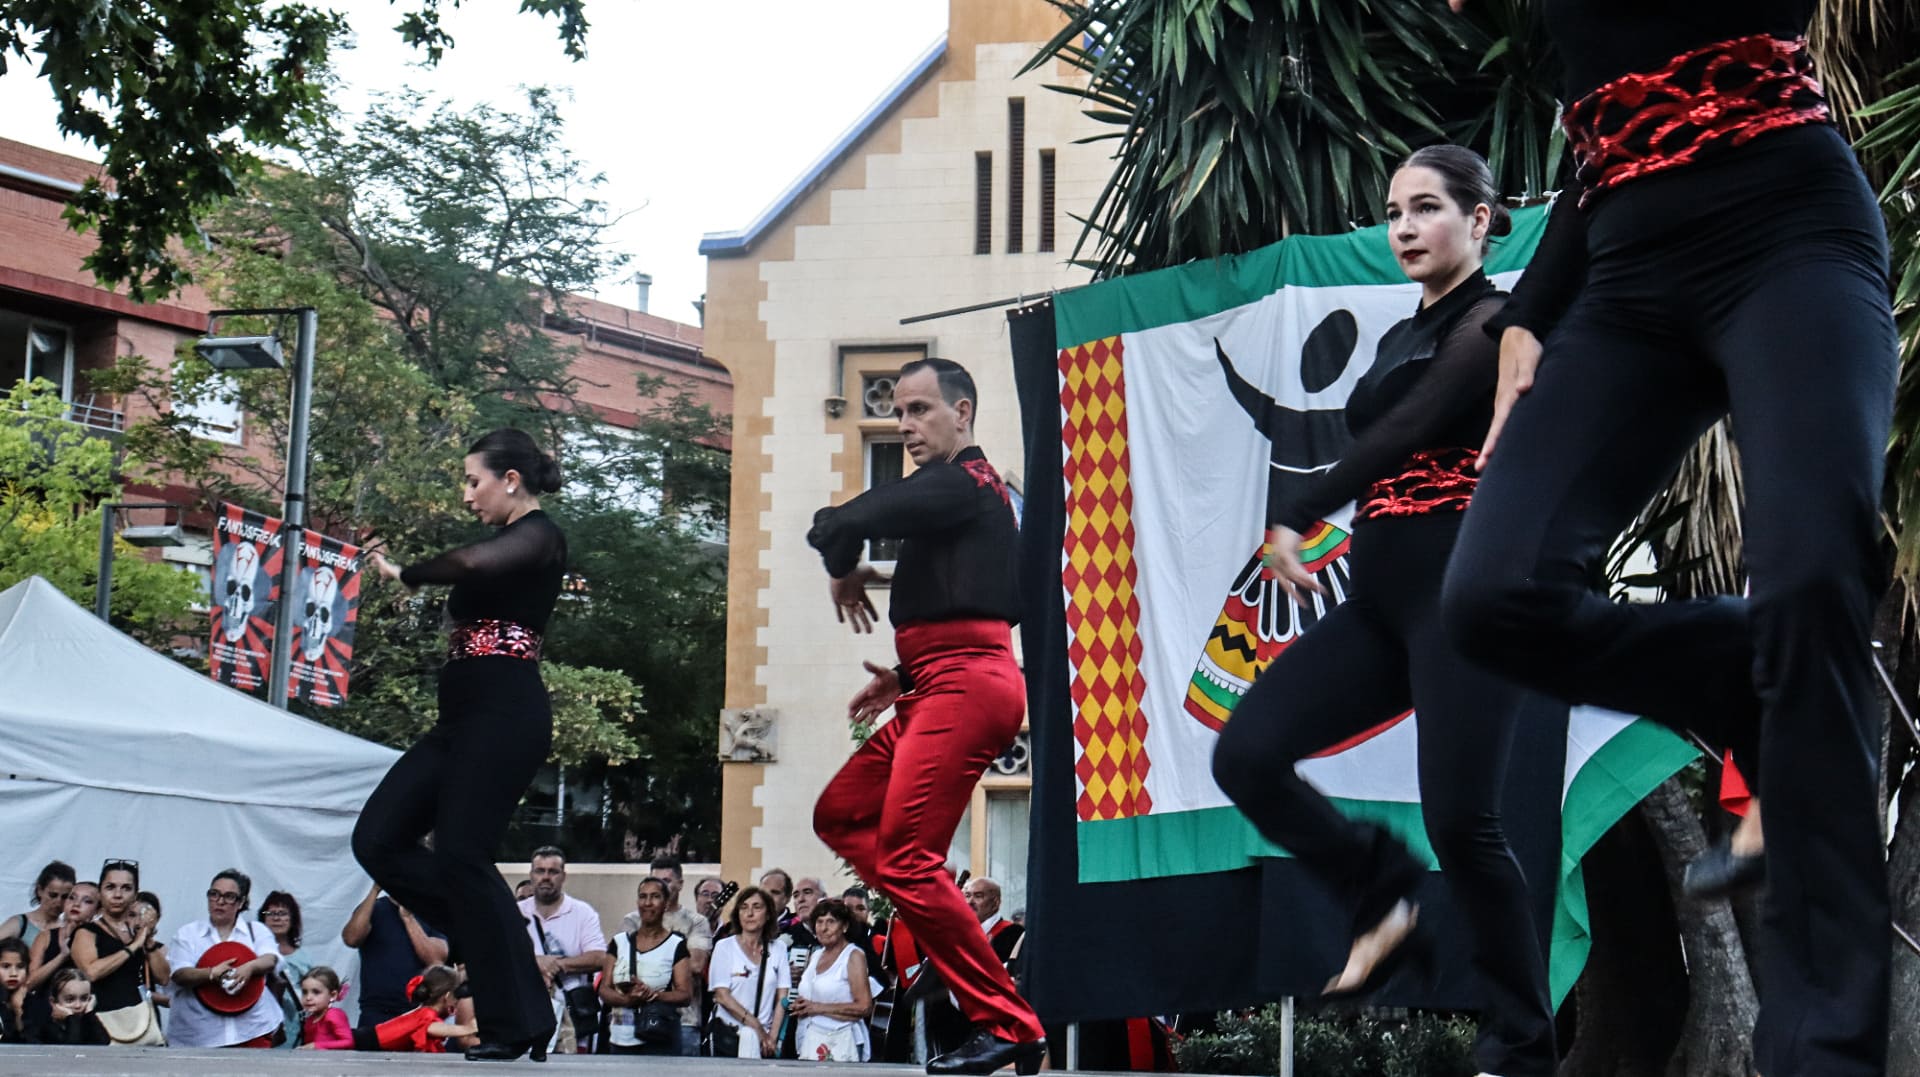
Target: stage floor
25	1061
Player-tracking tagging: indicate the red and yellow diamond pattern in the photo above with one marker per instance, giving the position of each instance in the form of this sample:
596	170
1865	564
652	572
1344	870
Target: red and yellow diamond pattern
1099	576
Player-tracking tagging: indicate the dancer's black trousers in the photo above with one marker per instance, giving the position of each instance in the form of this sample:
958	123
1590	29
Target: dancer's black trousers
1733	289
461	783
1372	657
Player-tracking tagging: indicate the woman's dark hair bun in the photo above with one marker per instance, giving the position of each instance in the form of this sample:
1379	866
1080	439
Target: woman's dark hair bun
508	449
1502	220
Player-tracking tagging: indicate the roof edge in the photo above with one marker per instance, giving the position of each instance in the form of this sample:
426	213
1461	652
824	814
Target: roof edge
735	243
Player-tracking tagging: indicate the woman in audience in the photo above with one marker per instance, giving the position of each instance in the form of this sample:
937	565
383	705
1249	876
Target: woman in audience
50	889
53	950
281	913
748	977
834	998
195	1024
120	956
647	978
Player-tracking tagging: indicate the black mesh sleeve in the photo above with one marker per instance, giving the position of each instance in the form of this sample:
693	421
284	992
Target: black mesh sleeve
512	549
1460	377
1556	273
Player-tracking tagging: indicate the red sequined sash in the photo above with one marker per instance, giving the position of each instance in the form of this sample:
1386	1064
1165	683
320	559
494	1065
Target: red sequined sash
1435	480
487	637
1710	99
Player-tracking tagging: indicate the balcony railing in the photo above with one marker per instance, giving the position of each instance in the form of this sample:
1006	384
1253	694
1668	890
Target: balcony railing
94	417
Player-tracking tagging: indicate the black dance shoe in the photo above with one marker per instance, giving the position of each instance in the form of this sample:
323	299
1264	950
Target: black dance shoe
1720	872
985	1052
507	1052
1415	953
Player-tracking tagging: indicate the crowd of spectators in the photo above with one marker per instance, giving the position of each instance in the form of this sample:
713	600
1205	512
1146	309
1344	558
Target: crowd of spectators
781	969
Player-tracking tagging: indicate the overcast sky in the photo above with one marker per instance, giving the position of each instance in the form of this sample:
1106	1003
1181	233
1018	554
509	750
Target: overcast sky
698	113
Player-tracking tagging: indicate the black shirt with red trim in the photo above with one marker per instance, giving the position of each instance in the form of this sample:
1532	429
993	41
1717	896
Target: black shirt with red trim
1418	416
1600	41
959	541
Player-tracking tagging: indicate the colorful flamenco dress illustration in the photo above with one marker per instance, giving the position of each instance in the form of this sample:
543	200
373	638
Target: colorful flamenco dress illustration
1257	621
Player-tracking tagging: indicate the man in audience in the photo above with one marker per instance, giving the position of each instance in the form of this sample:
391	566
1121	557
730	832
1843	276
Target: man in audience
706	901
983	896
861	933
575	944
779	889
394	947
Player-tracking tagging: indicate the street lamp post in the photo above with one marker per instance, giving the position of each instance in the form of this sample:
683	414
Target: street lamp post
264	352
160	535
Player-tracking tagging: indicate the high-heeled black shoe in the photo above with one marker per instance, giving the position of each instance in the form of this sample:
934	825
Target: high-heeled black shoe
484	1051
985	1052
1720	871
1413	954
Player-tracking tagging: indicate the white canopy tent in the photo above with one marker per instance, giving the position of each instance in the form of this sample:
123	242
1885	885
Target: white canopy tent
109	750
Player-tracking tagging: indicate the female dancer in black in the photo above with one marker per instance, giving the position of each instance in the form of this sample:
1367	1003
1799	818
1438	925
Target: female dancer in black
1415	417
463	779
1721	253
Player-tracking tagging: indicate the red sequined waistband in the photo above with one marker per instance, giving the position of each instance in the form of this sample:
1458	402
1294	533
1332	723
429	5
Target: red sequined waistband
487	637
1434	480
1701	102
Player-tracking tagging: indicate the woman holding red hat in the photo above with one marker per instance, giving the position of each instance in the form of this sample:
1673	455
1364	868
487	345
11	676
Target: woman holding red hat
223	1001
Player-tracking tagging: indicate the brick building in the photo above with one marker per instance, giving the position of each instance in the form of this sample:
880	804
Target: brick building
56	322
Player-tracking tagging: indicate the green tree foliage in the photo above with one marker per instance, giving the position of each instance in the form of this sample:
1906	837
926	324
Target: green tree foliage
438	248
53	476
177	94
1334	1044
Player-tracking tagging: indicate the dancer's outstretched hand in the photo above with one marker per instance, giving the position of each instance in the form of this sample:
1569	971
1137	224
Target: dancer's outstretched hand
850	602
387	568
873	700
1519	359
1283	563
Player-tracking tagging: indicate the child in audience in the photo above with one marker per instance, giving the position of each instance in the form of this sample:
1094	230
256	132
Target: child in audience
13	988
73	1022
425	1028
323	1026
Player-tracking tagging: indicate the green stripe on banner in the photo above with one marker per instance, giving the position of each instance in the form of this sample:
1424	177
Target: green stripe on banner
1198	290
1622	772
1213	839
1624	769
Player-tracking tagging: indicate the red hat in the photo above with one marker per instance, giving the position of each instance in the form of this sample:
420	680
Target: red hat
213	996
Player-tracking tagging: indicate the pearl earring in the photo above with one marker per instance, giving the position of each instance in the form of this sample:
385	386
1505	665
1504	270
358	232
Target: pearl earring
509	489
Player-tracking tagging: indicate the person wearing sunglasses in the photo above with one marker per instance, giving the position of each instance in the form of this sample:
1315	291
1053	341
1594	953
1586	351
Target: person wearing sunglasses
194	1023
118	954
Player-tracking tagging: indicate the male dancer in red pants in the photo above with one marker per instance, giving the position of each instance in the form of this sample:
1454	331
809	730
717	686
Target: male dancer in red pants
892	810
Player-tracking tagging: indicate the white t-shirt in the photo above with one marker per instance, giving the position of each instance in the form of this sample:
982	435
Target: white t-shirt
189	1022
846	1040
733	970
572	930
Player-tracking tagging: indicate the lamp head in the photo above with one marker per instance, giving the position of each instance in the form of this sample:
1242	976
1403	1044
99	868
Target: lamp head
241	353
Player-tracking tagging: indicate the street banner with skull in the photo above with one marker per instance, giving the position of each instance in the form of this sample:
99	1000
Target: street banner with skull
247	550
326	608
1166	413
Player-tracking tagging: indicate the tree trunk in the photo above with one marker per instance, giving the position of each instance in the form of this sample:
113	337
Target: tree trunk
1628	1002
1717	1036
1901	776
1903	870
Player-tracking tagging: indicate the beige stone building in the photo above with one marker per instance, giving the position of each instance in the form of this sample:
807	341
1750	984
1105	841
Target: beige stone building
955	189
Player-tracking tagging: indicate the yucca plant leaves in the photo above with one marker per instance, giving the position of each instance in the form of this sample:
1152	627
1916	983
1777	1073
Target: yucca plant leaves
1236	123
